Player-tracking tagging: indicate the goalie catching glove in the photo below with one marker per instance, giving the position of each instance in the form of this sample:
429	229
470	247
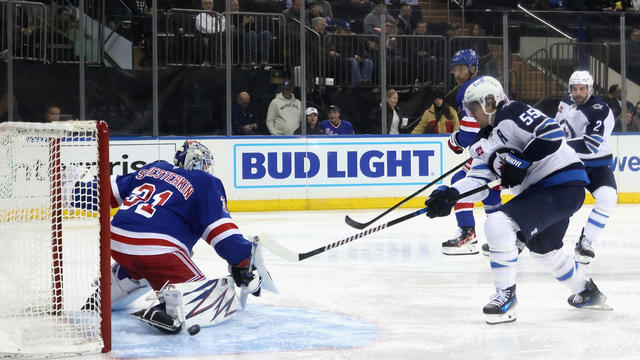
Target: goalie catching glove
441	201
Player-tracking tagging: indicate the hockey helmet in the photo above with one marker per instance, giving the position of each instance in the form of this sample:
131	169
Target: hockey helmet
581	77
193	155
483	90
465	57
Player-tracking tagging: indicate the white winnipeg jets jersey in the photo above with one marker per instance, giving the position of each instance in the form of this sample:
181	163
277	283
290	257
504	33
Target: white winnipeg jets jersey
588	128
538	137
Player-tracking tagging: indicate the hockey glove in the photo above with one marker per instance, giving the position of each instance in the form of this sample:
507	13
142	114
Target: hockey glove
514	169
243	276
440	202
453	143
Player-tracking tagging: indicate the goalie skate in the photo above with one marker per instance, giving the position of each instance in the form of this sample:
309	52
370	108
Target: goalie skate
590	298
463	243
501	308
158	318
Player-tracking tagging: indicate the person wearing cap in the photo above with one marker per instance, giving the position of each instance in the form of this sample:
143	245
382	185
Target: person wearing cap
440	118
360	65
334	125
283	115
313	127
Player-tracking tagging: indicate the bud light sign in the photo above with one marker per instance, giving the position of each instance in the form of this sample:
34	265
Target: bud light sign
319	164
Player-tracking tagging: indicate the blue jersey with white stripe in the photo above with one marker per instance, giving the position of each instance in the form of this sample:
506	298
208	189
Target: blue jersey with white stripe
540	138
163	207
588	127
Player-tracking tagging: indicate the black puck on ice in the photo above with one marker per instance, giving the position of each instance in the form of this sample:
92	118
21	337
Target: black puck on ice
194	329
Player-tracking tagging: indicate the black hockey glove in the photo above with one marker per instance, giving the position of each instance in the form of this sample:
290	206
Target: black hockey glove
514	169
440	202
243	276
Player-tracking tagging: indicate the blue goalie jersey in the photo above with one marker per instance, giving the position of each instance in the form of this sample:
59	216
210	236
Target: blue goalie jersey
163	207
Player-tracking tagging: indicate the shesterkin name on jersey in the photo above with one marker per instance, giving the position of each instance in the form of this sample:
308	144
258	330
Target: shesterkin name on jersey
180	183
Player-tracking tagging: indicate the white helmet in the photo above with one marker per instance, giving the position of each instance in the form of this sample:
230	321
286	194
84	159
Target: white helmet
484	89
581	78
193	155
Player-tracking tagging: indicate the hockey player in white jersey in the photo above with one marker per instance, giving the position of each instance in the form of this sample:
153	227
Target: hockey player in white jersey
528	152
587	122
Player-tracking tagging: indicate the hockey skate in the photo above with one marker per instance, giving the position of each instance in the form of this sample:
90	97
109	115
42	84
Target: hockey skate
463	243
590	298
167	316
584	251
501	308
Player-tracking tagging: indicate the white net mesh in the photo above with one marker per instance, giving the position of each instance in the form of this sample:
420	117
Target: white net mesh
50	238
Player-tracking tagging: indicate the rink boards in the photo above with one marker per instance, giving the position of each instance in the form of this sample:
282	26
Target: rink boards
297	173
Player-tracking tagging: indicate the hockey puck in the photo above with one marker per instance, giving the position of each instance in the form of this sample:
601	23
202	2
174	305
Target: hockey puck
194	330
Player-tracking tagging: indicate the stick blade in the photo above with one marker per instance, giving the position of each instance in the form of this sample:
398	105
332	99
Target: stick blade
276	248
354	224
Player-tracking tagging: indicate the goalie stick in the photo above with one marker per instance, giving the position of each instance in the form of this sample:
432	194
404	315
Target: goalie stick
360	226
287	254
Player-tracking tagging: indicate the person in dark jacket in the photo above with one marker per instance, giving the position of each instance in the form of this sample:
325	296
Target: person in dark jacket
396	123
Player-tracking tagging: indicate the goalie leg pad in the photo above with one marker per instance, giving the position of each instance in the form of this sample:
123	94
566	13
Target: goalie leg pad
208	302
124	289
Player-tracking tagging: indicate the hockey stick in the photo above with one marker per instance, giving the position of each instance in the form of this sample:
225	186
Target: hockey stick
287	254
360	226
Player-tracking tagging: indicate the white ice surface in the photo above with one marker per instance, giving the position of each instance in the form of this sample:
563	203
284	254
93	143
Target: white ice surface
393	295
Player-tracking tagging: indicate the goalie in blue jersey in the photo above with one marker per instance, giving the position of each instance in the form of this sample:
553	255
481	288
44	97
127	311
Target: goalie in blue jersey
164	209
527	150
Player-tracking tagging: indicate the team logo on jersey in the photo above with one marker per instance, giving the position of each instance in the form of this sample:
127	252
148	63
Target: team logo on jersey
560	108
597	106
479	151
224	204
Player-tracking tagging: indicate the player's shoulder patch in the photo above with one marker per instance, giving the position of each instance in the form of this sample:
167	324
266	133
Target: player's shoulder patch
223	201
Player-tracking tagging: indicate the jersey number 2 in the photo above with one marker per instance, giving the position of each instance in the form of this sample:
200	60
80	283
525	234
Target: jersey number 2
142	196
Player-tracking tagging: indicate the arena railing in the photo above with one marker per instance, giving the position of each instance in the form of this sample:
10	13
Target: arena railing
29	34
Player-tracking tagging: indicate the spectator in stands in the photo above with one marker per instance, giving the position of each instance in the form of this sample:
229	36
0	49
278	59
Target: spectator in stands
242	119
206	22
246	34
313	127
313	10
293	11
283	115
614	100
353	50
334	125
371	22
406	25
631	122
421	28
633	54
426	66
52	114
395	121
325	8
440	118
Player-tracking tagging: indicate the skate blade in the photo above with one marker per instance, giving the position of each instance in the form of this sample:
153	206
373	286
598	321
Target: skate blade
494	319
603	306
463	250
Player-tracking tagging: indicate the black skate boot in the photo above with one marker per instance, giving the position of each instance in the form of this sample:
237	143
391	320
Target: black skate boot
519	244
158	318
463	243
590	298
501	308
584	251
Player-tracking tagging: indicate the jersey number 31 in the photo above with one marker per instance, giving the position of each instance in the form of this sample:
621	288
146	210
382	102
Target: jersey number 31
144	200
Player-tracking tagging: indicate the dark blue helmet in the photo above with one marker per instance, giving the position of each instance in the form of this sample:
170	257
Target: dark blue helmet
465	57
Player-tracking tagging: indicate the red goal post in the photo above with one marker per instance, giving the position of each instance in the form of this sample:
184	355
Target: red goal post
54	236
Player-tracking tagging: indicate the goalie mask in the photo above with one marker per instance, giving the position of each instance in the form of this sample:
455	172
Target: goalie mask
193	155
484	90
581	78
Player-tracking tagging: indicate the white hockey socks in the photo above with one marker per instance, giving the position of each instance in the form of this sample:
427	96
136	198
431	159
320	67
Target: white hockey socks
564	269
501	237
606	199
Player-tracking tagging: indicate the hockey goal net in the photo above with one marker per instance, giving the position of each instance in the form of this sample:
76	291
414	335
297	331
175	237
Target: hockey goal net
54	238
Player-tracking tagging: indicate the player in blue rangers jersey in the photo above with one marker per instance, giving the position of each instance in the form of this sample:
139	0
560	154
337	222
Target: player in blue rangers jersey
587	122
464	67
528	152
164	209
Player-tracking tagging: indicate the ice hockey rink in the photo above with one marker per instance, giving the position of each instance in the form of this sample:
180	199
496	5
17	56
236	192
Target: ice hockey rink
393	295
